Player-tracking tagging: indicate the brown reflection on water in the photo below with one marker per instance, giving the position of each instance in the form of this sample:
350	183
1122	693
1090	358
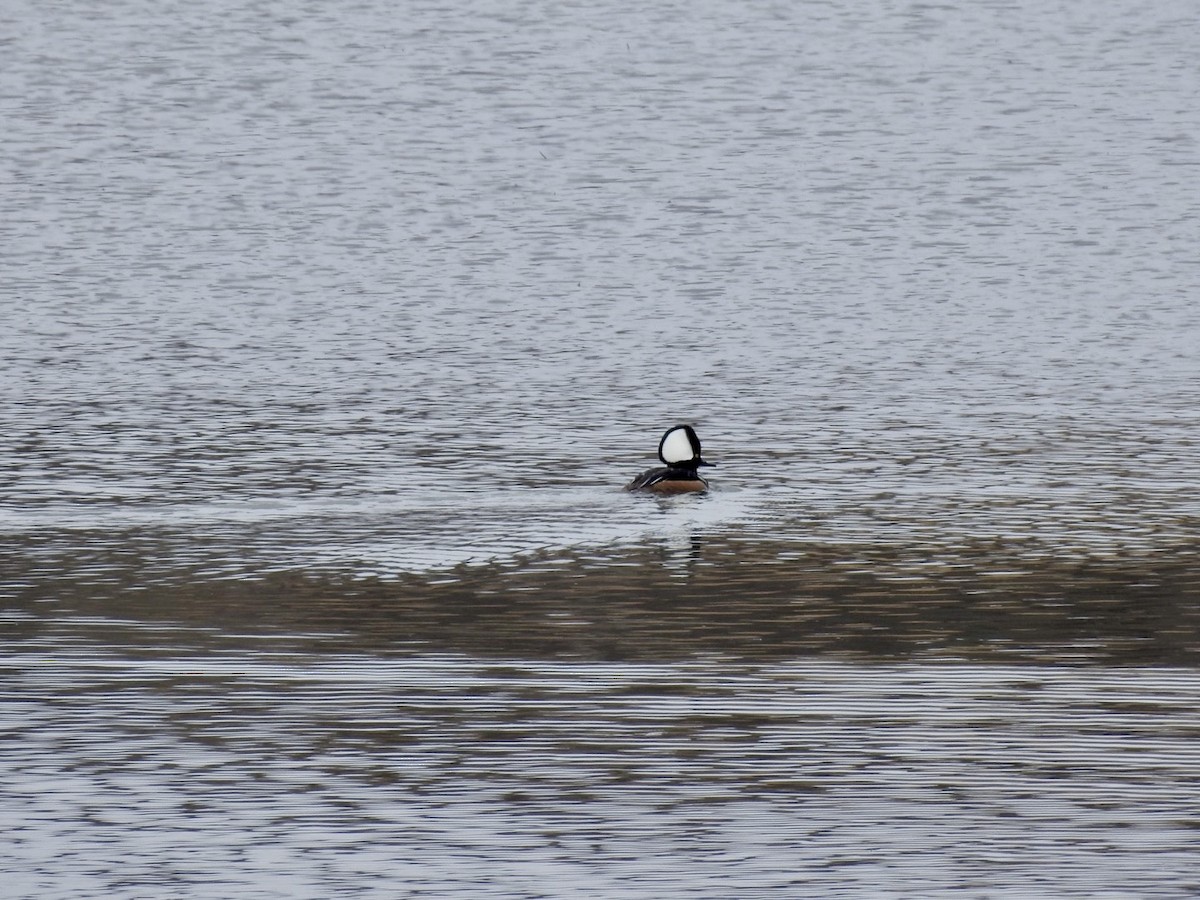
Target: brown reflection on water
721	596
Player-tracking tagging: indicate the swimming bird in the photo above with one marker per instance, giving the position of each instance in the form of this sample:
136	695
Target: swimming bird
679	449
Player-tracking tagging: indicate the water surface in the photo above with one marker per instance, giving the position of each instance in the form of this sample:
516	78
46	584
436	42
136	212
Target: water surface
328	336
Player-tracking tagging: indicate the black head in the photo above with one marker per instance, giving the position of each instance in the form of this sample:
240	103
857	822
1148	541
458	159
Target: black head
680	448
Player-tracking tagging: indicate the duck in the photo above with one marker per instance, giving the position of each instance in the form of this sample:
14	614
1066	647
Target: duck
679	450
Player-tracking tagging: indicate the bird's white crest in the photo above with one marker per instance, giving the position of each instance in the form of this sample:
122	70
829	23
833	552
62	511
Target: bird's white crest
676	448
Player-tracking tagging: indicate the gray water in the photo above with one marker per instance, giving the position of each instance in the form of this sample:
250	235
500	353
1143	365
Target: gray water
330	333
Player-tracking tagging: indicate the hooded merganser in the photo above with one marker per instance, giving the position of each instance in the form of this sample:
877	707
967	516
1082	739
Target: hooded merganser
680	450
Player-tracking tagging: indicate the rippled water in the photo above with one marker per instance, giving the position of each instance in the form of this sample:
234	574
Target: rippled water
437	280
267	773
328	336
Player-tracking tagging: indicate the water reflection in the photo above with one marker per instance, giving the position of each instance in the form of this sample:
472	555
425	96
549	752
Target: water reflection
694	594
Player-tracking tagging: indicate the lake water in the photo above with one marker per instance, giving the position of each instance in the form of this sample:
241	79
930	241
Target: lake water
329	335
